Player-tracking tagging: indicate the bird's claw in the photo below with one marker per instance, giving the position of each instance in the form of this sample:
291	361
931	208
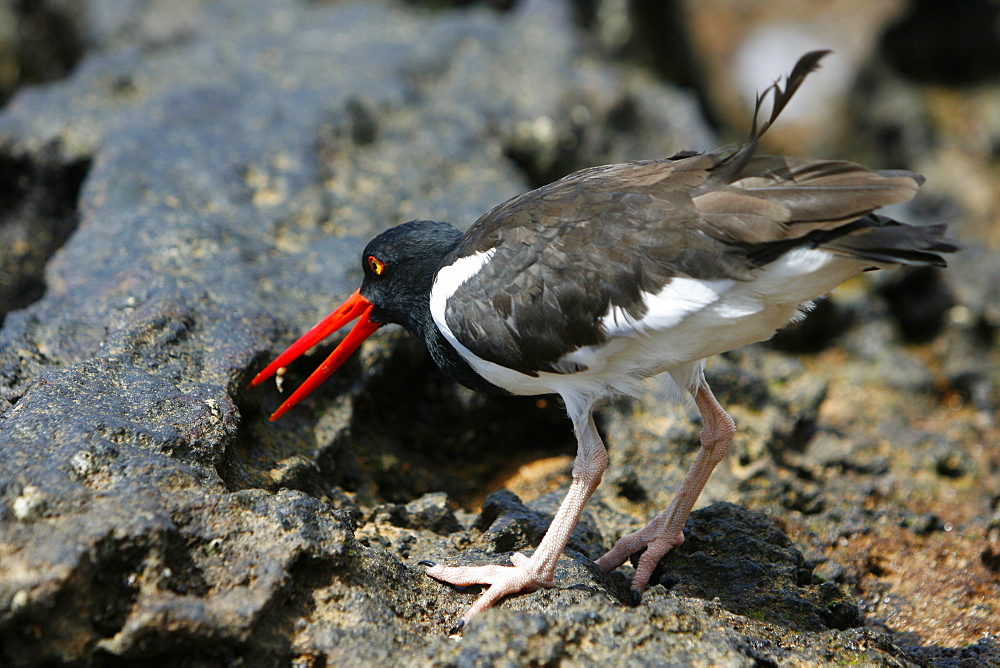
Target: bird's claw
652	544
523	576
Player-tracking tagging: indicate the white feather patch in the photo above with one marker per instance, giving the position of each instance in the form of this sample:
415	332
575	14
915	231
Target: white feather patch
449	279
667	308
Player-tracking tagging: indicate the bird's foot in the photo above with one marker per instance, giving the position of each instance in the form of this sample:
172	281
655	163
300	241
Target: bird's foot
653	542
526	575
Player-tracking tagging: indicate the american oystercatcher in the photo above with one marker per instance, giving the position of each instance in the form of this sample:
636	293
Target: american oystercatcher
587	286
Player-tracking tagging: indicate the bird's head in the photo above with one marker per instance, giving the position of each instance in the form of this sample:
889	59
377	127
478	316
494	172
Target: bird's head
399	267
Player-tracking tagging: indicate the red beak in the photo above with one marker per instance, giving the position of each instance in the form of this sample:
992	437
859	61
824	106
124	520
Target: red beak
355	306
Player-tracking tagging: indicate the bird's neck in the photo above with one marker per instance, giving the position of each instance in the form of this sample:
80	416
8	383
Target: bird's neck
421	323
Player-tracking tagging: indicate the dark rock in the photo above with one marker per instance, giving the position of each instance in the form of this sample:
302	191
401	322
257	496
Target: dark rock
969	341
954	45
506	504
733	385
924	524
991	551
430	512
894	366
586	537
144	581
222	212
919	300
820	326
976	275
38	197
748	564
39	42
953	463
508	525
629	486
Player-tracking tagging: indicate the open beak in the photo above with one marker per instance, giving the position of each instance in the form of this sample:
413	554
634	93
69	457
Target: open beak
356	306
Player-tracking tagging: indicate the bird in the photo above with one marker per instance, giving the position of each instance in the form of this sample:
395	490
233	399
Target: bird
588	286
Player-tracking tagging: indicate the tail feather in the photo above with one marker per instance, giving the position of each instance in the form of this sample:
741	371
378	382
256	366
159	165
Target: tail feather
873	238
884	240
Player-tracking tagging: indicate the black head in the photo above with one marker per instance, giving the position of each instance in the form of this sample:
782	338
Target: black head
400	265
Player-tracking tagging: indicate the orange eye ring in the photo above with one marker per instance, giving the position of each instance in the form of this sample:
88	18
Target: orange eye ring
375	264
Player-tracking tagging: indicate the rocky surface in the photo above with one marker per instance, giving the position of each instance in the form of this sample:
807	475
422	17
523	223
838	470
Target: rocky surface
209	172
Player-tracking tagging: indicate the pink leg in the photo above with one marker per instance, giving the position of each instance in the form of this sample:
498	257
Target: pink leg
538	570
665	531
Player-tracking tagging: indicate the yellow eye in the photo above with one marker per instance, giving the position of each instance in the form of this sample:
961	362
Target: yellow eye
376	265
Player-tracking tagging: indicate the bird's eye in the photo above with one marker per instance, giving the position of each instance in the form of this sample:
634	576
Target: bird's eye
376	265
